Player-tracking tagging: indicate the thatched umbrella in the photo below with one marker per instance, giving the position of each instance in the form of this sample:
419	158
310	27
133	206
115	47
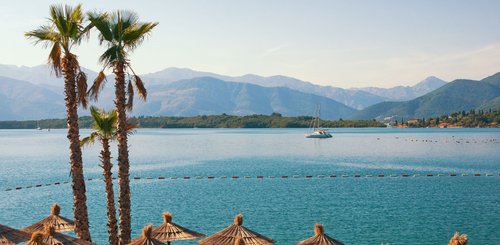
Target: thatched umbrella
320	238
146	238
458	239
169	231
59	223
10	236
36	239
50	237
235	232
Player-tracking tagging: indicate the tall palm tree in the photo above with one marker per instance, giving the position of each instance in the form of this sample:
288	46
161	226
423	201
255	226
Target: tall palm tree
122	32
64	31
105	131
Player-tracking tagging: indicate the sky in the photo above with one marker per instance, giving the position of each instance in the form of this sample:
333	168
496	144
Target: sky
344	44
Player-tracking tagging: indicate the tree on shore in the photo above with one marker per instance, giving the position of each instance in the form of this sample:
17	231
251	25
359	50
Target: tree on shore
64	31
104	130
121	32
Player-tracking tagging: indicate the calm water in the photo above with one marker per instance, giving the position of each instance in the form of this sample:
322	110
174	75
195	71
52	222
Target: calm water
414	210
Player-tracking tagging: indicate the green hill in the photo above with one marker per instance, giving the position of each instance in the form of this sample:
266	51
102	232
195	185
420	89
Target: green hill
455	96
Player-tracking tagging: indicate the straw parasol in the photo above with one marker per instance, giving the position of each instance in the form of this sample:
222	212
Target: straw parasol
50	237
146	238
169	231
320	238
10	236
458	239
235	232
59	223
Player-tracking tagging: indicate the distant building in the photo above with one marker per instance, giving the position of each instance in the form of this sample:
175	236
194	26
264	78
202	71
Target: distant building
413	121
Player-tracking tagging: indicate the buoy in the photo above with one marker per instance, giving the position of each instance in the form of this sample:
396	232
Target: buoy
210	177
57	183
235	177
430	175
357	175
405	175
477	174
333	176
161	177
186	177
284	177
308	176
136	177
38	185
260	177
453	175
18	188
29	186
381	175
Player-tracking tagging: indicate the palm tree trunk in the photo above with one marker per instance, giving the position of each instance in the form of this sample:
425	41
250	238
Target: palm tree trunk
110	195
123	161
69	66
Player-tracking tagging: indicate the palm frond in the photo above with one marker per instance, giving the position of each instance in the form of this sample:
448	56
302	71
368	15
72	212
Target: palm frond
97	86
130	93
101	22
89	139
55	59
45	34
141	89
82	89
134	36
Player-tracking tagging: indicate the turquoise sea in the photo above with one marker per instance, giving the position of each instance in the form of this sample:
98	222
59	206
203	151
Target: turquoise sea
418	209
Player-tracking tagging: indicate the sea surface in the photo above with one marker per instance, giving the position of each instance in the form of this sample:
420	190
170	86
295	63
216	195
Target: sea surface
418	209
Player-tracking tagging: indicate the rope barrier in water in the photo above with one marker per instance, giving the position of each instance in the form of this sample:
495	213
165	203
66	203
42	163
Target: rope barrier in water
234	177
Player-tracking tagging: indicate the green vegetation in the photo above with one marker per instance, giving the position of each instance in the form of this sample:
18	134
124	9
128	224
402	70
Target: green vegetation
275	120
463	119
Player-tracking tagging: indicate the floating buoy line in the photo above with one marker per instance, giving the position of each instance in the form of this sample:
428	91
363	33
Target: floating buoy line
234	177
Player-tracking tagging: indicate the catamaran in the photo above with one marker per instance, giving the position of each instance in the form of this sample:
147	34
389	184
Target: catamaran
316	130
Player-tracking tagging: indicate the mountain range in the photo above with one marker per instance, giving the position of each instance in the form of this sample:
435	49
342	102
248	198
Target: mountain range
33	93
458	95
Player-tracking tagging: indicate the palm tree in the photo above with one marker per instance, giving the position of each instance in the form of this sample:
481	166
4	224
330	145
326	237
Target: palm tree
122	32
64	31
105	131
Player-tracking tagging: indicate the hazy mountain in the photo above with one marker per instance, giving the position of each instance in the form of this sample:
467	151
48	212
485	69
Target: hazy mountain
455	96
352	98
21	100
208	95
40	75
404	93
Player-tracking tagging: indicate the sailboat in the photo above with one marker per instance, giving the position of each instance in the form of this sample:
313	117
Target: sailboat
317	131
38	125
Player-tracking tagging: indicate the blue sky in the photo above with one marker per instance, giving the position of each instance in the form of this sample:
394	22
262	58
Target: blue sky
339	43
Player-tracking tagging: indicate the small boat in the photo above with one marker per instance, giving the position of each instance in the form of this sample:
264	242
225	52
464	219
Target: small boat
317	131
